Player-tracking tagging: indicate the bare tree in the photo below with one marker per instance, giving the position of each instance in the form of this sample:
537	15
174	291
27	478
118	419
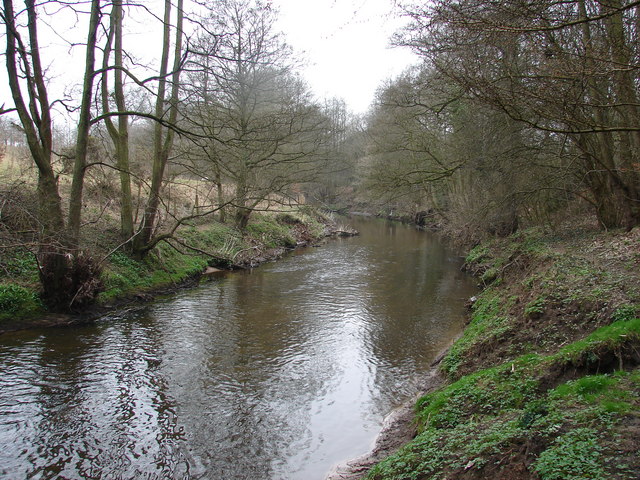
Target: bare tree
167	110
433	149
564	68
66	274
337	169
262	129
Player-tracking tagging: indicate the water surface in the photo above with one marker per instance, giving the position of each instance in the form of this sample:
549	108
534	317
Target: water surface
277	373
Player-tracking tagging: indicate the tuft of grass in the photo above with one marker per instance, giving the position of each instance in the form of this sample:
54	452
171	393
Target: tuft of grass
17	301
626	313
609	338
270	232
535	307
477	254
576	455
489	320
605	391
490	276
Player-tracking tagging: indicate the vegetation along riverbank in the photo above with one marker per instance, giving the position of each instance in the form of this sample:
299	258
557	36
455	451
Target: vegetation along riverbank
544	382
516	131
200	250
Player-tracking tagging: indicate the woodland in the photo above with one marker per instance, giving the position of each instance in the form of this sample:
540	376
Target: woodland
518	113
516	135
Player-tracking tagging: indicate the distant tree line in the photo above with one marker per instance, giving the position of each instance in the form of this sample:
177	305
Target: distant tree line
516	110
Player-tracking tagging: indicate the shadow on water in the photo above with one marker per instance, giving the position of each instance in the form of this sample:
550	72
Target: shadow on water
276	373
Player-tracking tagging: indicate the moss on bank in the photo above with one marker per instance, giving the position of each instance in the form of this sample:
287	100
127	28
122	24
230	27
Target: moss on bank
172	263
544	383
267	236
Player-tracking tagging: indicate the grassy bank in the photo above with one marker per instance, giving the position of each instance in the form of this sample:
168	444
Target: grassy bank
544	383
180	260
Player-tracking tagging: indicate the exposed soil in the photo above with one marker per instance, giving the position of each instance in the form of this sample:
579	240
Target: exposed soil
625	449
513	464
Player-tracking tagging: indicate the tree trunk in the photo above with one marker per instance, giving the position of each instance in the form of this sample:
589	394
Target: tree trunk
242	218
220	195
162	142
613	208
120	135
242	212
82	141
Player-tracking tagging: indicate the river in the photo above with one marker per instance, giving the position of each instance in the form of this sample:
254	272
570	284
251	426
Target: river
275	373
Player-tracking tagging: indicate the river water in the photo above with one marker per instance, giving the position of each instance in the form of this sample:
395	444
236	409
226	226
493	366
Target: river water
277	373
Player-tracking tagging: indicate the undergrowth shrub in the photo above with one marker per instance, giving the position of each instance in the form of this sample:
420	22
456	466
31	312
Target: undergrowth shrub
273	234
576	455
20	264
626	313
15	299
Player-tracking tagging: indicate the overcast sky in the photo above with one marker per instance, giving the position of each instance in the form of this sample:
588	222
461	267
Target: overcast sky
346	44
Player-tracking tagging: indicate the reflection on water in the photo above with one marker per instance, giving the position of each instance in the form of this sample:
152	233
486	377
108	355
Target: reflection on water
278	373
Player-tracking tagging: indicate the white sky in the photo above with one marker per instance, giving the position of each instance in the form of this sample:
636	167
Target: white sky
346	44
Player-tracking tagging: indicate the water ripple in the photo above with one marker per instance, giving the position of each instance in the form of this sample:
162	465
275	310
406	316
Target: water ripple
272	374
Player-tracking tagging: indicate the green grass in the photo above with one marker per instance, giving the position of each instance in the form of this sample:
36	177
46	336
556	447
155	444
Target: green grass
603	390
167	264
18	302
435	451
489	321
172	262
470	423
270	232
490	391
